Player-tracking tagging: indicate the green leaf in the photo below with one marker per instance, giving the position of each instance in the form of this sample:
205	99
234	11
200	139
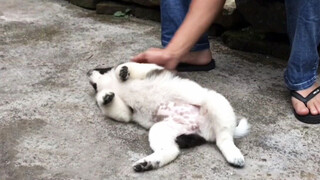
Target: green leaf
119	14
127	11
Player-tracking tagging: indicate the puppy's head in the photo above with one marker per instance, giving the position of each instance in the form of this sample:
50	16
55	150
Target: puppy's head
99	77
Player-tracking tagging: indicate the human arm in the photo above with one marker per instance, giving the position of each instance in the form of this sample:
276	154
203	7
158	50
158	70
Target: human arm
198	19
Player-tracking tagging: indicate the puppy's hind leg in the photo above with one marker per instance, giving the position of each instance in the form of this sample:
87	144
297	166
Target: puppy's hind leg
223	121
229	150
162	141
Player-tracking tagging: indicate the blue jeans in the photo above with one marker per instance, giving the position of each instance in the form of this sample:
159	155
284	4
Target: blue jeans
172	15
303	20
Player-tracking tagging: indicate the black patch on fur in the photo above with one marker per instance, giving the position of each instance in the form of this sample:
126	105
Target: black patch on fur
144	166
155	72
189	140
124	73
108	98
131	109
94	85
103	70
237	164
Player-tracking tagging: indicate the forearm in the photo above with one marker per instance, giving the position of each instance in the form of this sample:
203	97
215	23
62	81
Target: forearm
200	16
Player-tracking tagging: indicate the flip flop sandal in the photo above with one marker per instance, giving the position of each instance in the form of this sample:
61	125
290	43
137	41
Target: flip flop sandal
309	119
183	67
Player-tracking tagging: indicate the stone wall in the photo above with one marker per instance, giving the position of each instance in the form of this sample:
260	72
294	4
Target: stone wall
247	25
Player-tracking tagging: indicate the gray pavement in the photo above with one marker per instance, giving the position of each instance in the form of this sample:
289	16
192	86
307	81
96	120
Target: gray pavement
50	127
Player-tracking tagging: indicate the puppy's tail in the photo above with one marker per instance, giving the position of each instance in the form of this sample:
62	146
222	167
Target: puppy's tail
242	129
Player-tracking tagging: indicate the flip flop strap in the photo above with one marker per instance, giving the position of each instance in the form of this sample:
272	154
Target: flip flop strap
308	98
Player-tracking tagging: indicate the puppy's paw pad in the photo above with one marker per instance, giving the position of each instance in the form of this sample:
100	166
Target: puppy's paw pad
143	166
108	98
124	73
237	162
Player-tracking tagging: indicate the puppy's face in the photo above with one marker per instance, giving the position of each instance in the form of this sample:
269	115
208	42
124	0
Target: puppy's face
101	78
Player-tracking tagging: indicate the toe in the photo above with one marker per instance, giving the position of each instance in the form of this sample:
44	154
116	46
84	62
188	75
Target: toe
313	109
313	105
317	106
317	103
299	107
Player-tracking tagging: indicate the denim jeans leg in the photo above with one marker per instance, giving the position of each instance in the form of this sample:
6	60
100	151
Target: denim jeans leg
173	13
303	19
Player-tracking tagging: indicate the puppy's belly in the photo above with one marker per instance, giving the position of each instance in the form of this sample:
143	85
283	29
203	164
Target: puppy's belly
180	116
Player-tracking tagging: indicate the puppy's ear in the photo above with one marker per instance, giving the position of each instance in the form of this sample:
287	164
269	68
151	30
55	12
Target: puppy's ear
94	85
94	74
103	70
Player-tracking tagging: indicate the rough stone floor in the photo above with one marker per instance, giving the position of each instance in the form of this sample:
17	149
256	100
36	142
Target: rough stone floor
51	128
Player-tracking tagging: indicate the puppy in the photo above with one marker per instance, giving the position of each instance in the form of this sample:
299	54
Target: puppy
179	112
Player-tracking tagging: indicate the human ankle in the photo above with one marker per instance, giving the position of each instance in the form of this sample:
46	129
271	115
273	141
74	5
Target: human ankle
307	91
197	57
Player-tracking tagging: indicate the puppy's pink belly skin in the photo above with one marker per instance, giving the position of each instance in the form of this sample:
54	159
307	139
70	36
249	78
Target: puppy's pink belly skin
184	117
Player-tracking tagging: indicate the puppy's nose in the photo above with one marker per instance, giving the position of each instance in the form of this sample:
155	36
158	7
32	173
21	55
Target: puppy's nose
89	73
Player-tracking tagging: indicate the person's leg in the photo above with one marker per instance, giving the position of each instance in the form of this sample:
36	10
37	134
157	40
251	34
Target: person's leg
303	20
173	13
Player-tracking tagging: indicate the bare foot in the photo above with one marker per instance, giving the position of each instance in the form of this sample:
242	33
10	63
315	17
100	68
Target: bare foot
197	57
313	106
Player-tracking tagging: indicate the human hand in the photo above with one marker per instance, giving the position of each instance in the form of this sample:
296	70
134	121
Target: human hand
161	57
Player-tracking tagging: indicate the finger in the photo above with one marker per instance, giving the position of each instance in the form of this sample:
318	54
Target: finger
140	58
154	49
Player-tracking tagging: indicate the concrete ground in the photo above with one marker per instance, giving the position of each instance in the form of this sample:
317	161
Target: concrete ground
51	128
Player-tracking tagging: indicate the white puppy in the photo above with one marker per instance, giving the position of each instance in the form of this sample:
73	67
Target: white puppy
178	112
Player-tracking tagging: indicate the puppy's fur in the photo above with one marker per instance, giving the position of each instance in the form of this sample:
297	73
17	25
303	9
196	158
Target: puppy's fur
178	112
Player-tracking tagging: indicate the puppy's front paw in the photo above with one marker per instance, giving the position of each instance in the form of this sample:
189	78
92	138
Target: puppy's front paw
108	98
124	73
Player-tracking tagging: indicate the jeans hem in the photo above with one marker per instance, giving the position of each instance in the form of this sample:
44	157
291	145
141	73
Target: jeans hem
196	47
300	86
